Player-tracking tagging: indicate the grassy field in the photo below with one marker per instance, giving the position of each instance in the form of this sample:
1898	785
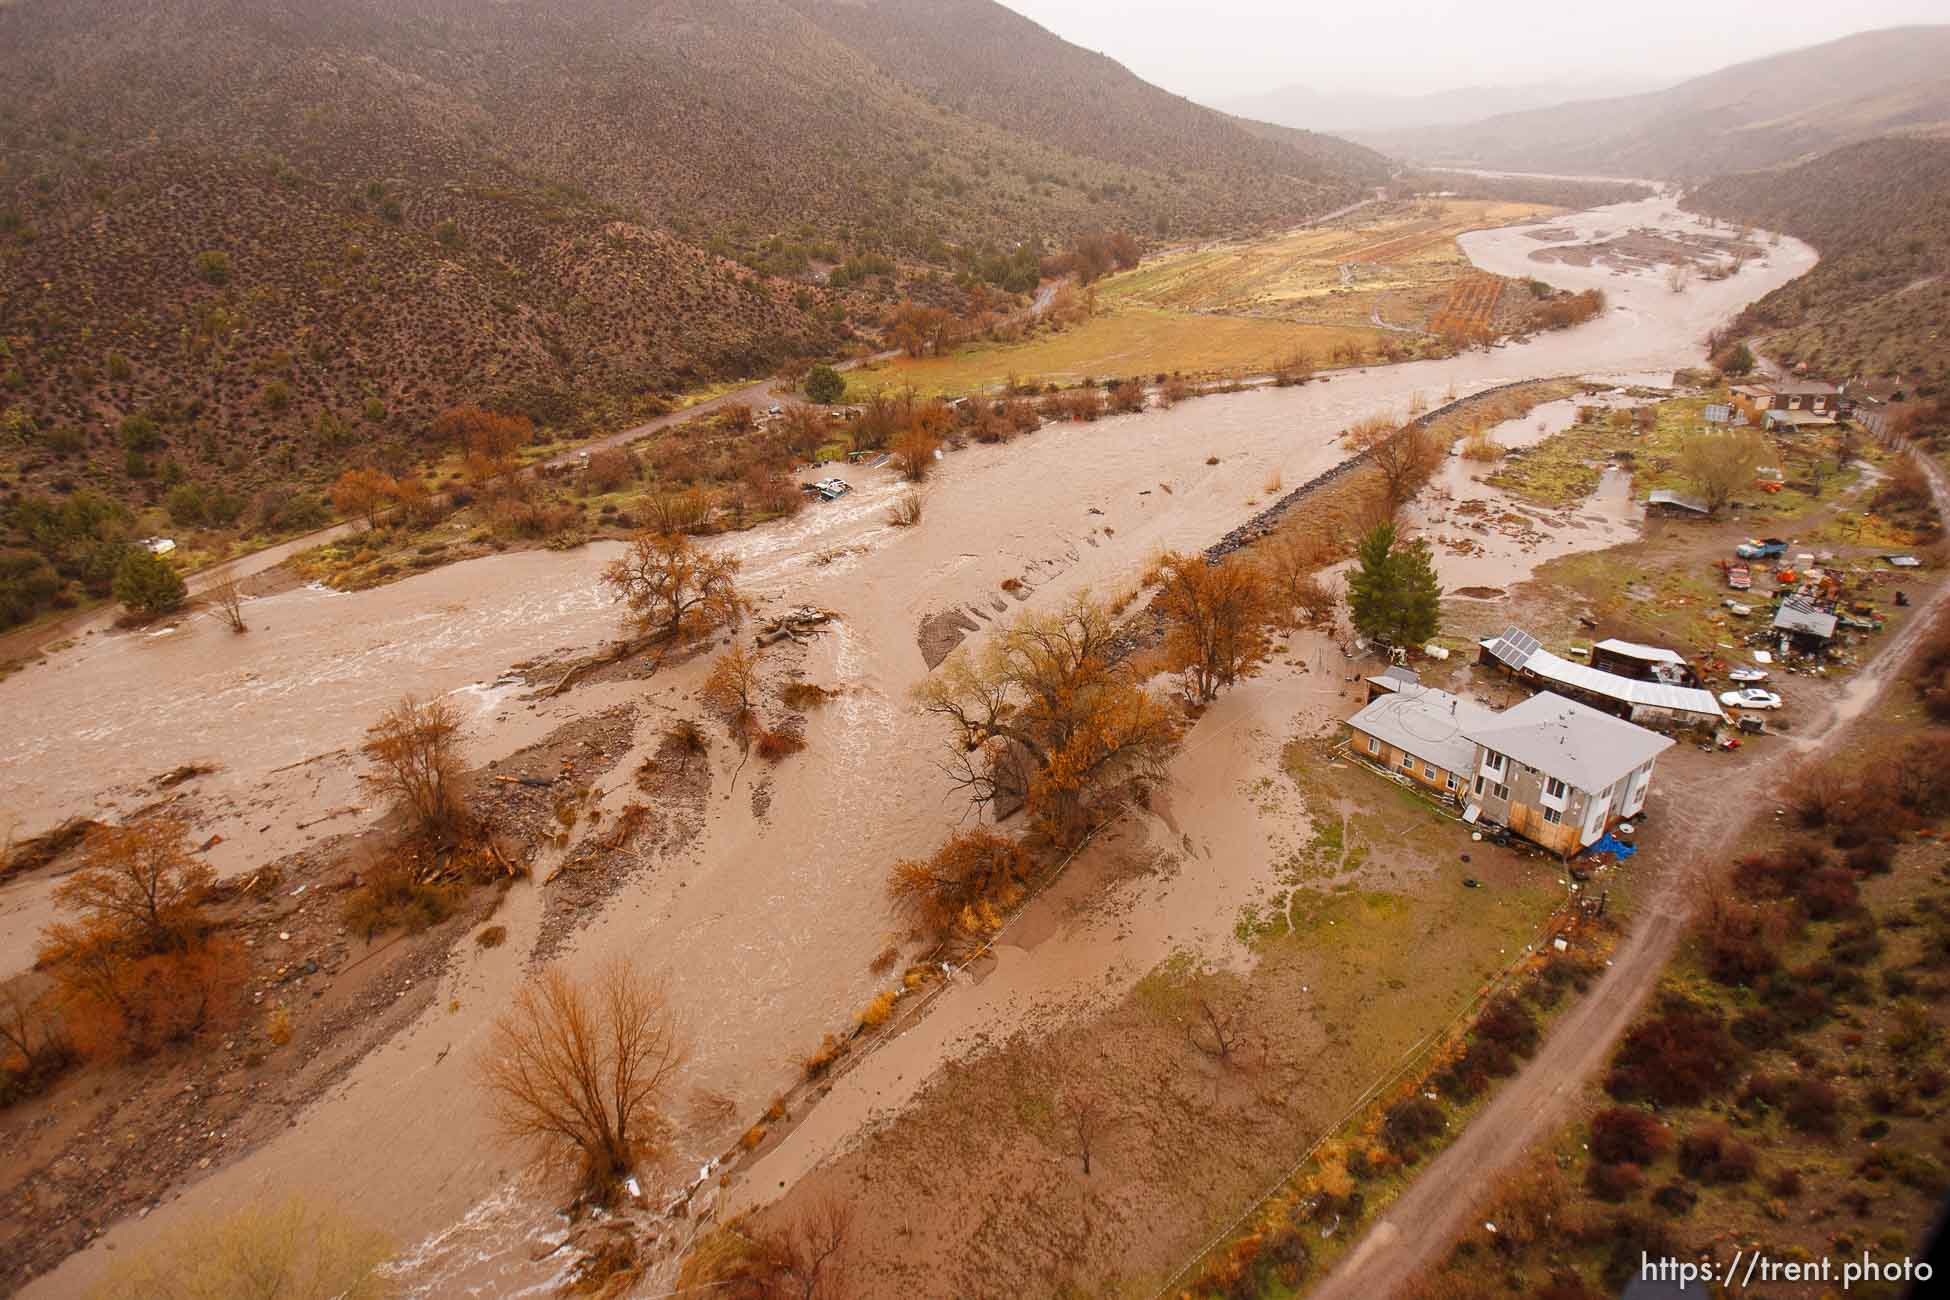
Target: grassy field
1121	341
1331	275
1240	308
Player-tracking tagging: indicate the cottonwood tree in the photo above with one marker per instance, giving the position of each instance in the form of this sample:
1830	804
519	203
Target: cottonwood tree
579	1070
732	689
1720	464
136	968
673	589
415	755
290	1251
1216	620
1402	458
364	492
963	887
1392	593
825	385
141	882
1047	716
914	453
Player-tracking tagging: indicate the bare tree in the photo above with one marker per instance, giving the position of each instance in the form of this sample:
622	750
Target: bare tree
414	752
227	597
1403	458
1087	1118
1215	1032
579	1071
673	589
1678	276
810	1260
30	1029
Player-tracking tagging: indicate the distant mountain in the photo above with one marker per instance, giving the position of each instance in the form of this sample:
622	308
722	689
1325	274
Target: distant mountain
1754	114
292	230
1874	306
1344	111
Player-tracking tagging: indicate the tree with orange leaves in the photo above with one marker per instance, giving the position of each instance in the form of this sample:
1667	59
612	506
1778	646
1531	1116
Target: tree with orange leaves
1049	717
1216	618
674	589
364	491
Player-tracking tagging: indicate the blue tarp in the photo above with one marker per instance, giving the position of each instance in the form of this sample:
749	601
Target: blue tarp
1613	845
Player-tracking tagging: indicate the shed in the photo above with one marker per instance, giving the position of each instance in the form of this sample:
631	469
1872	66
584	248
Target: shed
1643	662
1641	701
1801	620
1665	499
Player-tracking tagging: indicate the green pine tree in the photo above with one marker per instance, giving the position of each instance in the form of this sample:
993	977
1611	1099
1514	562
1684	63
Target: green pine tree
1393	594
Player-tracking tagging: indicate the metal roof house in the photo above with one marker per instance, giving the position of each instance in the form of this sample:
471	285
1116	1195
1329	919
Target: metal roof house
1559	773
1646	663
1520	653
1418	732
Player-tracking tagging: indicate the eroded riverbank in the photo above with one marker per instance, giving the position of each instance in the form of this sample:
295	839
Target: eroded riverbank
766	923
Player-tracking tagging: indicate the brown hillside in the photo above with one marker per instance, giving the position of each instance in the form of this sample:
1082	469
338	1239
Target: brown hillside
1781	109
1874	306
292	230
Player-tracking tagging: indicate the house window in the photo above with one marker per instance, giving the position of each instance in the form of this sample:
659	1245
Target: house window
1500	791
1553	816
1450	780
1479	785
1374	746
1555	788
1408	762
1428	771
1492	761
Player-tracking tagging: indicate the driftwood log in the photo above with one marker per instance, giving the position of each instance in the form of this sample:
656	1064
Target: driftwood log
796	626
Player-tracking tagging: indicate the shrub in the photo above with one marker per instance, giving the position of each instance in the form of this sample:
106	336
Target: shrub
1410	1124
284	1250
1614	1183
1812	1105
825	385
1678	1056
1676	1198
1128	397
390	896
147	584
1712	1155
1623	1135
214	267
1508	1022
906	510
879	1010
777	746
964	886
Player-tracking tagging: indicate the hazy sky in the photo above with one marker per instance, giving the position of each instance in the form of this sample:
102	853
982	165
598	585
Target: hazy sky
1215	49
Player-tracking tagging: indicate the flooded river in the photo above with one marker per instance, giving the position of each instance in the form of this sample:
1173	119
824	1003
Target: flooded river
766	925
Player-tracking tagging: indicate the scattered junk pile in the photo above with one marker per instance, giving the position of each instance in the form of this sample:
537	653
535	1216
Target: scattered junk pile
1817	604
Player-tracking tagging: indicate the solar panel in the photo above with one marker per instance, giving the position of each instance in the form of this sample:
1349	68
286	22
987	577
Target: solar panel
1515	647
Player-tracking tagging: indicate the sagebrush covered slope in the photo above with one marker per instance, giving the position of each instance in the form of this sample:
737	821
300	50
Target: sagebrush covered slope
294	229
1875	305
1760	113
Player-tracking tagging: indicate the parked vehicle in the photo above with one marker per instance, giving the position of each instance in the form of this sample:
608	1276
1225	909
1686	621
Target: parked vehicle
827	489
1740	578
1748	674
1761	548
1752	697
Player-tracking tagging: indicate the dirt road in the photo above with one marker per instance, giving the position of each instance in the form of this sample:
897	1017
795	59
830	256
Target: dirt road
1419	1227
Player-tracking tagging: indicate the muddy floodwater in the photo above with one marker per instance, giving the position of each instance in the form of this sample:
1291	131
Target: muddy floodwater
766	924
